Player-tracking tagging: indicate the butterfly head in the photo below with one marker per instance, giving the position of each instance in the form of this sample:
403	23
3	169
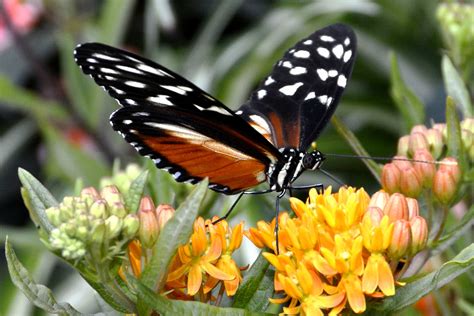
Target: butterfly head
313	160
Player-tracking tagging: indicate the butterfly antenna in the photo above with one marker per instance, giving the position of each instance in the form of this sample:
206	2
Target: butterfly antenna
434	162
334	178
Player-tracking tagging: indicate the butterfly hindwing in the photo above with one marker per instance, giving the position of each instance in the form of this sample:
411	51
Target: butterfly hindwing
295	102
183	129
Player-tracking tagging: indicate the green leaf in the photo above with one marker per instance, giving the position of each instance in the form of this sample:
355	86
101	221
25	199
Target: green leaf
176	232
114	19
454	136
37	199
352	140
415	290
135	192
455	87
166	306
38	294
14	138
409	105
29	102
256	288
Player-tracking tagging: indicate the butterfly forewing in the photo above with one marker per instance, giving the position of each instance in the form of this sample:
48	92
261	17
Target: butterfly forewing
294	103
183	129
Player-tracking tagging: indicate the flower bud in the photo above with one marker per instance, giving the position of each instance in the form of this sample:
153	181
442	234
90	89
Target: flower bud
441	127
98	232
467	138
402	162
401	239
163	213
417	141
435	141
374	214
425	170
111	194
53	216
89	195
82	232
118	209
468	124
413	208
451	165
98	209
418	129
444	186
396	207
403	144
391	178
410	183
131	225
419	233
149	229
379	199
113	226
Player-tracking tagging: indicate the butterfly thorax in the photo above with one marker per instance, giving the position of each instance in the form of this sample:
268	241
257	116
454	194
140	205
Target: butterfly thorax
280	175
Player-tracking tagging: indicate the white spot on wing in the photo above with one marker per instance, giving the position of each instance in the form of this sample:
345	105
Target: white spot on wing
129	69
105	57
127	122
310	95
160	99
298	71
109	71
175	89
218	110
141	114
92	60
287	64
308	42
261	93
347	41
338	50
323	99
131	101
341	81
302	54
327	38
135	84
269	80
322	51
239	112
290	89
118	91
347	56
329	101
322	73
332	73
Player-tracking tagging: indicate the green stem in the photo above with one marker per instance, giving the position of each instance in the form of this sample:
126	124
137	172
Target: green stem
445	209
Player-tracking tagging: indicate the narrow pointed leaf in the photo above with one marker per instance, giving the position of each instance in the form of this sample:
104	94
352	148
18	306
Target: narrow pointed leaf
37	198
352	140
38	294
455	87
256	288
454	139
135	192
409	105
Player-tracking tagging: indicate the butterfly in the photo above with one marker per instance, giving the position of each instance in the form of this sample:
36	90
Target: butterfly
192	135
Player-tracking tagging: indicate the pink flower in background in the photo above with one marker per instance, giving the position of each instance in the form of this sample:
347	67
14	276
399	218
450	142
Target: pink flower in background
23	15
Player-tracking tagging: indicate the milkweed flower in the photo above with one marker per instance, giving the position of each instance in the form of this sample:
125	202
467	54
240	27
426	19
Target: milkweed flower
340	248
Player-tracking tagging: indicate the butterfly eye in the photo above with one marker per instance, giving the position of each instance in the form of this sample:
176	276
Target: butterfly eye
313	160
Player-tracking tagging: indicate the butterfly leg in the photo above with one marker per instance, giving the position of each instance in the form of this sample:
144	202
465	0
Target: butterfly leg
277	213
237	200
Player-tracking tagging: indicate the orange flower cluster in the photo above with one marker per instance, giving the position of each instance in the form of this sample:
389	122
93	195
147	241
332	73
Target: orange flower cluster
200	265
411	177
340	248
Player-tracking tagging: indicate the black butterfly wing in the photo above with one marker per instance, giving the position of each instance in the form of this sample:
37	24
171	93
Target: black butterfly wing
295	102
183	129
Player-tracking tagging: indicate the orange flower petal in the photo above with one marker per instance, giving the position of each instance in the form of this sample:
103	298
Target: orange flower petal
354	293
386	282
194	279
216	273
370	279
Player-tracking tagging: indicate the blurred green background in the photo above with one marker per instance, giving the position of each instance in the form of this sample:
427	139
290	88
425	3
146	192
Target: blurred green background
54	120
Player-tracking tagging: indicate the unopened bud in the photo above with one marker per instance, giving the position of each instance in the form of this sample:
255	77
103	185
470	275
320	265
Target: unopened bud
419	233
52	214
379	199
441	127
425	170
111	194
98	209
401	239
98	232
418	129
417	141
468	124
118	209
444	186
403	145
113	226
413	208
467	138
410	183
131	225
402	162
89	195
451	165
396	207
149	229
374	214
435	141
391	178
164	212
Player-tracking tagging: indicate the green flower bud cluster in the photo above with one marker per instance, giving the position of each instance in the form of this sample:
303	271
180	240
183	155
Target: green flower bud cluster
457	23
95	224
122	178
